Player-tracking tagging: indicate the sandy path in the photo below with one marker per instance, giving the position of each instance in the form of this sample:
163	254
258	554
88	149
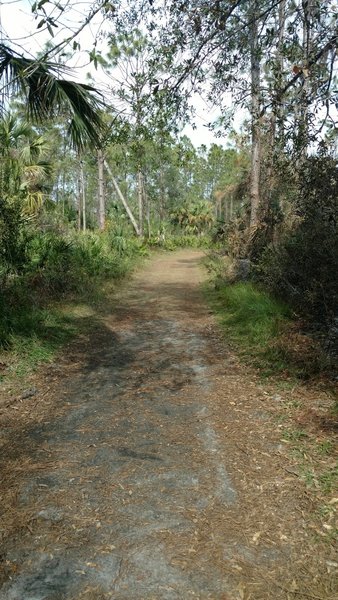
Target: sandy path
156	473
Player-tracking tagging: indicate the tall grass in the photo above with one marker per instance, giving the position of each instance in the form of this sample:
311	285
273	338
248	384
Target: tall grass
252	321
252	316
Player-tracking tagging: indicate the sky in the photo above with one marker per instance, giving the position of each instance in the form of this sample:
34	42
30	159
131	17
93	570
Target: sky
18	25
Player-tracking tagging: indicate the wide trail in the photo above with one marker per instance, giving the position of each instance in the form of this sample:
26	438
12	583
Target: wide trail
150	478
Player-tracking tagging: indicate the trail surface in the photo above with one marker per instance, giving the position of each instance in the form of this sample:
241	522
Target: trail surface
153	469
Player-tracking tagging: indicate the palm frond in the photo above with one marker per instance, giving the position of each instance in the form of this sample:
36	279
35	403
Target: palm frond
32	203
47	95
34	173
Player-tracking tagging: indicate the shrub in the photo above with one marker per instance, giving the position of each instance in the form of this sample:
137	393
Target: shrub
12	254
54	264
302	268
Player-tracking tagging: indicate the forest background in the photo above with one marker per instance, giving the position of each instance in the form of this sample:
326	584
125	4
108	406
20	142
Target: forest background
95	174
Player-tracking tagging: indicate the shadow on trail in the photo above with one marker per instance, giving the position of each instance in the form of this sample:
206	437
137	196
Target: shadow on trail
123	457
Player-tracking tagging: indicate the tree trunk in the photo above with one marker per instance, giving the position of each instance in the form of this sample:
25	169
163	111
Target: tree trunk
79	200
100	163
140	200
255	116
303	131
162	193
278	116
122	198
83	190
226	217
275	138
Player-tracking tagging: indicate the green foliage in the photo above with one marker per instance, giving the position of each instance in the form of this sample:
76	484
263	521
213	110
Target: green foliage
12	255
252	320
302	267
193	218
252	315
47	94
171	242
53	266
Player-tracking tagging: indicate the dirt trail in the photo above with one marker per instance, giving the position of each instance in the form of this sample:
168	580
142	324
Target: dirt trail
156	471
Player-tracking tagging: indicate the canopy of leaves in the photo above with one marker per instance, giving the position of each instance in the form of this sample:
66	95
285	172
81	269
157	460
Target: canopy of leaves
48	95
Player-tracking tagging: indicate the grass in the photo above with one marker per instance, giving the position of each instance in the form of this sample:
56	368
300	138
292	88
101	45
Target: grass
252	320
294	435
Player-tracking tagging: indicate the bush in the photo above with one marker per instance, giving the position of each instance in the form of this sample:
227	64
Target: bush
54	264
302	268
12	254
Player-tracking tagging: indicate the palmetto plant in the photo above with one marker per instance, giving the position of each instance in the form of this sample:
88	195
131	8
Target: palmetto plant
47	94
194	217
23	169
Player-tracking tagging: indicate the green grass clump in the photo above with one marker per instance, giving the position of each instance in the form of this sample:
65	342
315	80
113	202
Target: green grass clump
252	320
252	316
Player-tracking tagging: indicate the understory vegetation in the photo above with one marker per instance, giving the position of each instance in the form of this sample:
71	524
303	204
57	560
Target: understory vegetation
266	332
285	267
89	181
56	276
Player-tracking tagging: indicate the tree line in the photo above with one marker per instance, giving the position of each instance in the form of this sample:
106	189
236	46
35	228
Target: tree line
274	192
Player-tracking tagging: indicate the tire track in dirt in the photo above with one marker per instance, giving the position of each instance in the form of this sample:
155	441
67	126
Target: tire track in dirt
136	484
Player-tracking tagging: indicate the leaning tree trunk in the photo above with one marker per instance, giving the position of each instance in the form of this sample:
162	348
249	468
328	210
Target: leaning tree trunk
122	198
255	117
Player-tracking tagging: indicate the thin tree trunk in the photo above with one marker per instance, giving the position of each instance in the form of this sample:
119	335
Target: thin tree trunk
276	121
79	200
255	118
147	206
278	116
140	200
100	163
148	216
162	193
122	198
307	6
84	223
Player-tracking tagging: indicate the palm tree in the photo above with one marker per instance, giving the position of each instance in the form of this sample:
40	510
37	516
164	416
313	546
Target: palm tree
48	95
